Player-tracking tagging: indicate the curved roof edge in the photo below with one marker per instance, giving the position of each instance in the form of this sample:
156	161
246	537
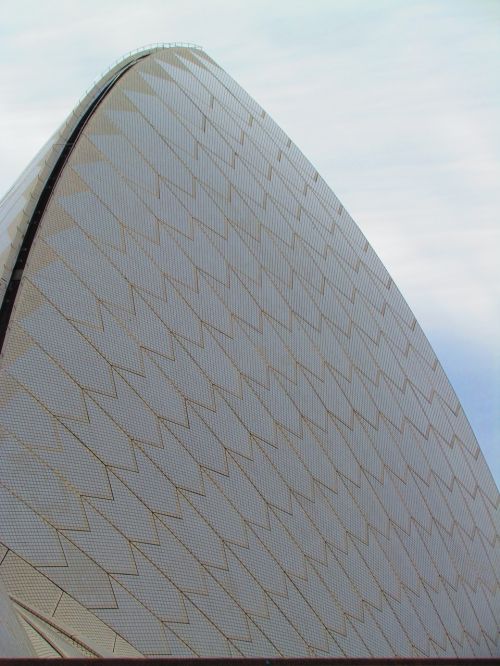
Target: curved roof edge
14	641
24	203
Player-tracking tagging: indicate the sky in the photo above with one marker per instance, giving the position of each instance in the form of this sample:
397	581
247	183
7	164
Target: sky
395	102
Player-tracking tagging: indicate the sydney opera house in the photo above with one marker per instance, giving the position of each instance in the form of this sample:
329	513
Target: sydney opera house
223	432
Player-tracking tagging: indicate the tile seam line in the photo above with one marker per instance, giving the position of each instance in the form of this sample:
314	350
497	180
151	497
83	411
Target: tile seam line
103	87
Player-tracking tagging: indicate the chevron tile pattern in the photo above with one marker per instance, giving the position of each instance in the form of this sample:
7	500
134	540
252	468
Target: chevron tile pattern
223	431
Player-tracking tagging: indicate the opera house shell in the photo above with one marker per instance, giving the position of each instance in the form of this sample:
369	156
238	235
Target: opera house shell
223	431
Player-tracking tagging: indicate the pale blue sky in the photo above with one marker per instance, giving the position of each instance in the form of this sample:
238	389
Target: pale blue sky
396	103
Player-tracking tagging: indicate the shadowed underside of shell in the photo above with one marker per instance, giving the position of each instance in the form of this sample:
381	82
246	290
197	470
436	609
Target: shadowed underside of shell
222	430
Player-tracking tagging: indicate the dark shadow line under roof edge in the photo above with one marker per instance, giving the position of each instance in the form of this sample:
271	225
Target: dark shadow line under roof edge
72	129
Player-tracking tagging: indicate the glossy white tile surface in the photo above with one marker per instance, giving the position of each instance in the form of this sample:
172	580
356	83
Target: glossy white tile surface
223	431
